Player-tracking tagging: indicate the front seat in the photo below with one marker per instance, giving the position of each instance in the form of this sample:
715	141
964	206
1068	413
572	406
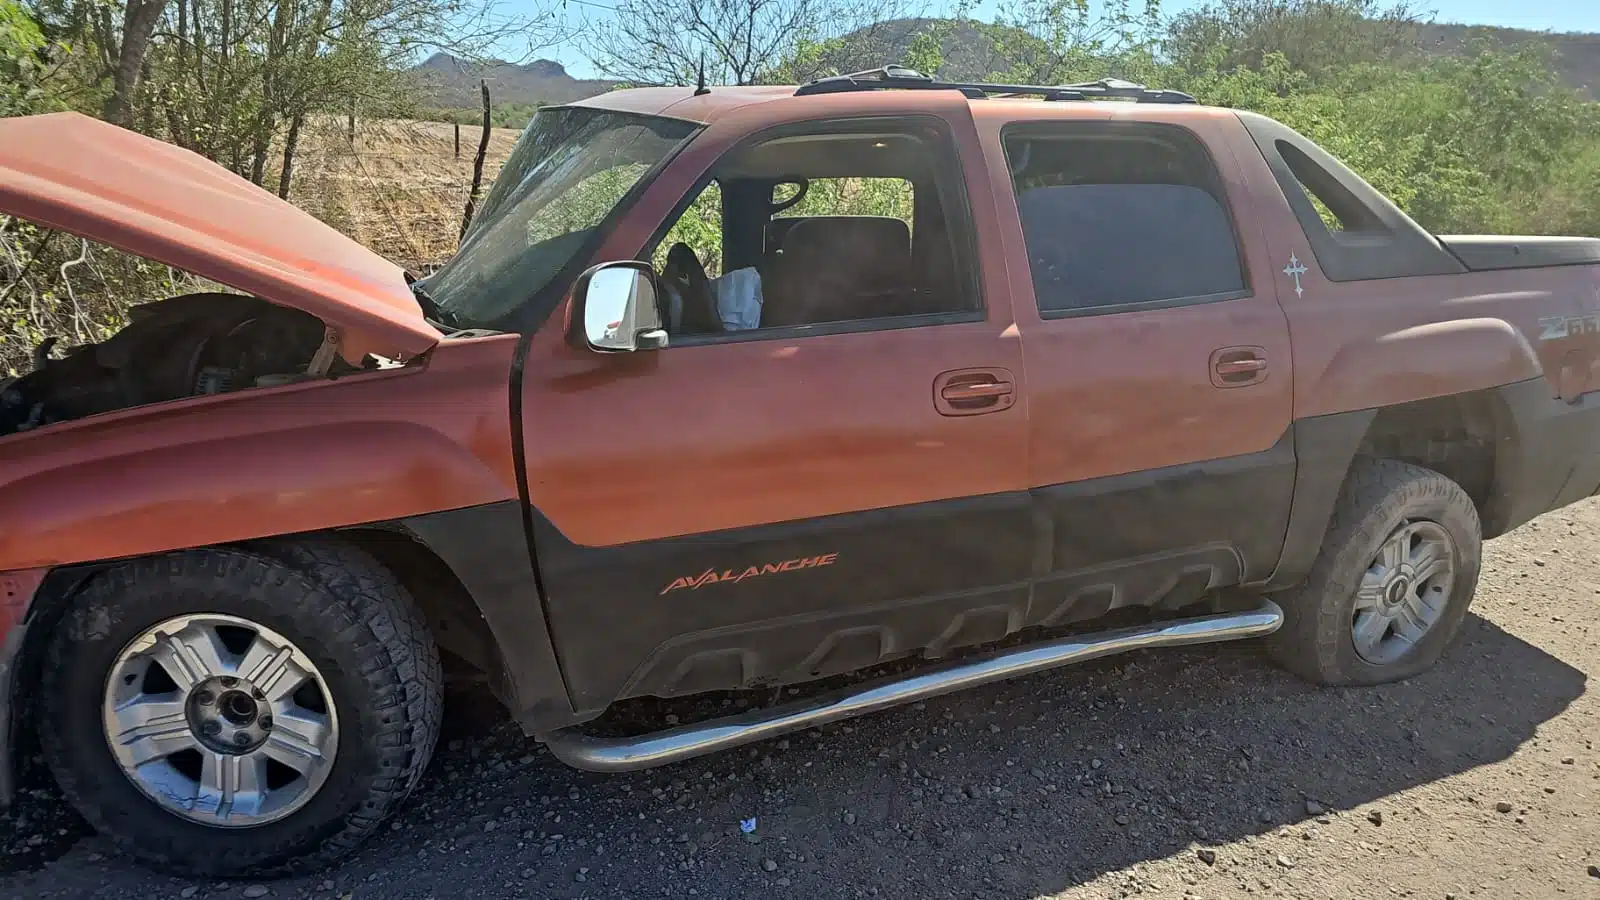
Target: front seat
839	268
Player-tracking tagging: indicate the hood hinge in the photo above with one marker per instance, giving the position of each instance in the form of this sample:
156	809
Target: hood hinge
322	360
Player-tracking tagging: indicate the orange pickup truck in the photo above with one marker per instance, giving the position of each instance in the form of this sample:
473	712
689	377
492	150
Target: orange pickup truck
1105	369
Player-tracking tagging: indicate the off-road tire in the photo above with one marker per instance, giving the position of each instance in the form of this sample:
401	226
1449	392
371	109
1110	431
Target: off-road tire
1315	641
338	605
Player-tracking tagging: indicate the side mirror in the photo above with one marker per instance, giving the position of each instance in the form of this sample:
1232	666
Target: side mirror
614	309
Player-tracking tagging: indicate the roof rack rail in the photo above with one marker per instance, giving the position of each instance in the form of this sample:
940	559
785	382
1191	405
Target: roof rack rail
903	78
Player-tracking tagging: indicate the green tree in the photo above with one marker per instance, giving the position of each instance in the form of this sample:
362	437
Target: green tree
24	61
1049	42
1317	37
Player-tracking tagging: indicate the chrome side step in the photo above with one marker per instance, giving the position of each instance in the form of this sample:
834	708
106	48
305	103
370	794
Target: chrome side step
597	754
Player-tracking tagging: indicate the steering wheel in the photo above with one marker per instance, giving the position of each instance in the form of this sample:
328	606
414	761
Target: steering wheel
684	272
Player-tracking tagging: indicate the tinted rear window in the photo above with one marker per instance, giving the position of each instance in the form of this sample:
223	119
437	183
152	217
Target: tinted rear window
1115	218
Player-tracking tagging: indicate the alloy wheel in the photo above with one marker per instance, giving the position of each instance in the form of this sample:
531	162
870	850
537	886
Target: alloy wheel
1404	592
220	720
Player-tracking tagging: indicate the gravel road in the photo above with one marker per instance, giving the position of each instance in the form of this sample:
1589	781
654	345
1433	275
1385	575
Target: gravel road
1203	773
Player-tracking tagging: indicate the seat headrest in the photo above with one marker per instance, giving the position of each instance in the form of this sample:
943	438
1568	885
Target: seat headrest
836	268
879	235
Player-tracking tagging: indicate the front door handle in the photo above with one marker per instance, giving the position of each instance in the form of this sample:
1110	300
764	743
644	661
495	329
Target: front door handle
969	392
977	390
1233	367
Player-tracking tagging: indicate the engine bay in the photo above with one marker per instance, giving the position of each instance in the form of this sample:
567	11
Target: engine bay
185	346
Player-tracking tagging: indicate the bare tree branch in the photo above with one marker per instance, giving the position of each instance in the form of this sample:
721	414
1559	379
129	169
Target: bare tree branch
741	41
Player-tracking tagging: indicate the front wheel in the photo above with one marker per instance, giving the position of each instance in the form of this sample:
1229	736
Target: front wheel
1392	584
225	712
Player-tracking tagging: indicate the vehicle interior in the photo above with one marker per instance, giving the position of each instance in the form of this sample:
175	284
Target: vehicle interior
836	227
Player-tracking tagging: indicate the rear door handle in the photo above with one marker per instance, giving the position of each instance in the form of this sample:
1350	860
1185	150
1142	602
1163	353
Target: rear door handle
970	392
1233	367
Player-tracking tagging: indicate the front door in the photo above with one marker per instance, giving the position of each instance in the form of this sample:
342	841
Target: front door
843	482
1162	459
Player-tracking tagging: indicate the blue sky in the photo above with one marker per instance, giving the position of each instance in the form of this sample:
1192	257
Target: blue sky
1551	15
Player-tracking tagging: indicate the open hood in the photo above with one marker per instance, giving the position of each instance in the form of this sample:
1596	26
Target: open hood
80	175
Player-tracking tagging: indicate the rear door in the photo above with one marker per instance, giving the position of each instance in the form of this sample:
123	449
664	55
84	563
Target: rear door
791	500
1161	456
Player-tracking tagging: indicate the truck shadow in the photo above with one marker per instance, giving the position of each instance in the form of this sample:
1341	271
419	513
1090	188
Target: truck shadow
1036	785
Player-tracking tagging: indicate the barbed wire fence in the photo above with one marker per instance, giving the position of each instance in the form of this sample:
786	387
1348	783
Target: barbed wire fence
398	187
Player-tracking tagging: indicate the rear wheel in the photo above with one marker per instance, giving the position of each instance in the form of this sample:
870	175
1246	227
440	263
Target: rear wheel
225	712
1392	583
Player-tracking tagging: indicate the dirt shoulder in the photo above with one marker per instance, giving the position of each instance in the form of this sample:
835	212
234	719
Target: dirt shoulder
1203	772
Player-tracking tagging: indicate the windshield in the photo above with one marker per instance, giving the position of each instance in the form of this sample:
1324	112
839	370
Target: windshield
569	170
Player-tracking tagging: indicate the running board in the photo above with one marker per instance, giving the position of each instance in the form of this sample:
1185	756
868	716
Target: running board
623	754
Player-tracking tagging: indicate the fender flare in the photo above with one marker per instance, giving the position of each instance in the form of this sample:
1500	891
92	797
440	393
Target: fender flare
1420	362
21	593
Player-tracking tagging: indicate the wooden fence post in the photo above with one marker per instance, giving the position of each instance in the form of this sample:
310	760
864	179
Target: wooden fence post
477	164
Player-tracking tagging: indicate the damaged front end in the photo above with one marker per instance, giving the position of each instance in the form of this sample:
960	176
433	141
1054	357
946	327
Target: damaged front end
311	302
185	346
135	194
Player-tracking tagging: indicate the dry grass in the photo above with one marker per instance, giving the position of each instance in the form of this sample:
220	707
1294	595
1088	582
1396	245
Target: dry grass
399	189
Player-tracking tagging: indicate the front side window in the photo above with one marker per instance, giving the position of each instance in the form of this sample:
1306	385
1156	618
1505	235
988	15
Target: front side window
700	229
572	167
1118	216
853	226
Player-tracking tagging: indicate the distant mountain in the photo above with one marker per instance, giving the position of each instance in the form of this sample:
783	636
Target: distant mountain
1578	61
448	82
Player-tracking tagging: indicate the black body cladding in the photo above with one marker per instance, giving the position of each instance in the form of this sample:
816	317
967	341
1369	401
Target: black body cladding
1550	456
898	579
644	618
484	547
793	601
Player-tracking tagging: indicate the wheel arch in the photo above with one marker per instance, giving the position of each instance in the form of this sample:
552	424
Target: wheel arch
39	610
1519	450
1460	436
472	573
1475	438
454	620
469	571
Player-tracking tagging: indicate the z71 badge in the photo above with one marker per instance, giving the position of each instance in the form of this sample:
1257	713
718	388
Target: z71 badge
1554	328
